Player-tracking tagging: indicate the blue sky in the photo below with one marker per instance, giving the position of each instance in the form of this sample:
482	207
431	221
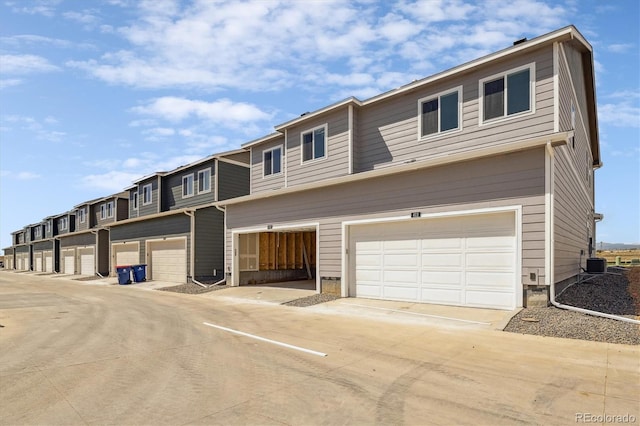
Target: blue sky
95	94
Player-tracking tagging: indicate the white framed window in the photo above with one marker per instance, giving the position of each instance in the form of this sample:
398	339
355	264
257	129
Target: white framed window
147	194
249	249
187	186
81	213
204	181
134	200
47	227
507	94
314	143
110	208
64	223
440	113
37	232
272	161
103	211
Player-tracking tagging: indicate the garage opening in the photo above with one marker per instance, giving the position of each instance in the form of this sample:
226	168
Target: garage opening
278	259
167	260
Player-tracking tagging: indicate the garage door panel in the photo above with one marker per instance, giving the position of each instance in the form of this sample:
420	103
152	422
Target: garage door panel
441	278
48	261
488	280
457	260
68	261
441	296
87	261
125	254
168	260
399	260
400	293
441	243
489	260
441	260
400	277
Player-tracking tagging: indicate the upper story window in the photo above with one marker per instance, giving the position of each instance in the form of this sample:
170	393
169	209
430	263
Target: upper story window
63	224
106	210
134	200
440	113
204	181
272	161
146	195
47	227
314	143
81	215
37	232
507	94
187	186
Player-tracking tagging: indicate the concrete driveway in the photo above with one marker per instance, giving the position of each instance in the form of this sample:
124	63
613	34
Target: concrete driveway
90	354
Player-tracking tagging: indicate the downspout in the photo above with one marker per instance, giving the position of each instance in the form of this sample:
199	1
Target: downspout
192	261
550	272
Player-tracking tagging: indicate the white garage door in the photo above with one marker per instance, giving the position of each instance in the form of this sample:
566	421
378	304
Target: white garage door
168	260
23	261
37	257
123	254
69	261
87	261
465	261
48	260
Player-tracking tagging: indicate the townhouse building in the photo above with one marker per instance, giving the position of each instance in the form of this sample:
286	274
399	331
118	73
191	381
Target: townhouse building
471	187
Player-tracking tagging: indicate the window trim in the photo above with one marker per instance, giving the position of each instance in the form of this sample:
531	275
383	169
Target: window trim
150	188
201	172
459	90
324	126
63	223
255	254
504	74
190	176
103	211
134	199
110	209
281	148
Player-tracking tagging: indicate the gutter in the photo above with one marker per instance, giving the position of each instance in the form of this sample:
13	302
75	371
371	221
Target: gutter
550	272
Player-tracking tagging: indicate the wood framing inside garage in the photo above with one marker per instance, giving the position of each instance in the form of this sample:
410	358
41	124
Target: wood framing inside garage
277	256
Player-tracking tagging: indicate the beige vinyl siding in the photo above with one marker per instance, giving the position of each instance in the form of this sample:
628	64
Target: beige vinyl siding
336	160
506	180
573	195
259	182
388	130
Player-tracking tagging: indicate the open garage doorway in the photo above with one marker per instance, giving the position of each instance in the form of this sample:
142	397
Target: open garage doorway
278	258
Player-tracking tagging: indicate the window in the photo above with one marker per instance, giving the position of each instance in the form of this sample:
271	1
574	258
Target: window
63	223
272	161
146	195
37	232
204	181
103	211
47	227
249	244
314	143
81	215
110	207
187	186
134	200
440	113
507	94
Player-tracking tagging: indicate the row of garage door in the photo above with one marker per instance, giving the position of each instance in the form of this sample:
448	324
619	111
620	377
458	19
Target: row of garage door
166	259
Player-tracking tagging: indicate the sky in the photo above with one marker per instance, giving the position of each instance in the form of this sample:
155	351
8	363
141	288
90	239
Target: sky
95	94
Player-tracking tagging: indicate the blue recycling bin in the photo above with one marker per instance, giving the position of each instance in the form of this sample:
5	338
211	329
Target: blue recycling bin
139	273
124	274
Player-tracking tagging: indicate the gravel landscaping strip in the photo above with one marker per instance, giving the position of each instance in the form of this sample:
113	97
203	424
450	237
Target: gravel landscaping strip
191	288
603	293
311	300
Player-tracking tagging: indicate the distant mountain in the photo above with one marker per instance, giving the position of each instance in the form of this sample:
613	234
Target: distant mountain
617	246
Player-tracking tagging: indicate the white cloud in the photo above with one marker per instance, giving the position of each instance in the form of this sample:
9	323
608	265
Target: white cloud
23	64
160	131
37	7
9	82
19	175
223	111
622	114
111	182
620	47
86	17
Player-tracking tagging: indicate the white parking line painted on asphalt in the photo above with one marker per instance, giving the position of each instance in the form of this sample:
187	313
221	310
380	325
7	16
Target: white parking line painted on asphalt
419	314
275	342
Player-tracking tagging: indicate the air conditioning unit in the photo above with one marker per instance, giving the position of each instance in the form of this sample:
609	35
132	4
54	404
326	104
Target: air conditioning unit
596	265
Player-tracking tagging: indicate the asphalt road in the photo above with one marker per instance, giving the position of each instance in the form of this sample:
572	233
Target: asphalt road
73	353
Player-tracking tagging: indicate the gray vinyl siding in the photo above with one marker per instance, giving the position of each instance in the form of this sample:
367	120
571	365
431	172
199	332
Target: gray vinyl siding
22	249
506	180
70	225
172	188
43	245
177	225
336	160
48	234
151	208
103	252
259	182
88	221
387	131
573	188
233	180
84	239
133	212
209	244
